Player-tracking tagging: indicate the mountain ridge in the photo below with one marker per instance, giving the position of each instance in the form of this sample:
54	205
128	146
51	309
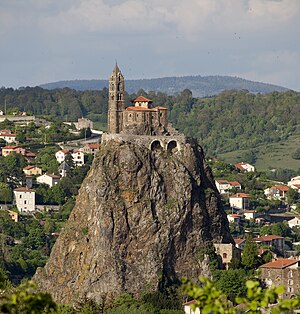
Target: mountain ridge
201	86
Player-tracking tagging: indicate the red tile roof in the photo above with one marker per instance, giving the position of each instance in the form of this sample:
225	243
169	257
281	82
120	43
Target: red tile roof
141	98
28	167
190	302
93	145
280	263
132	108
235	215
267	238
24	189
239	241
242	195
234	183
281	188
10	147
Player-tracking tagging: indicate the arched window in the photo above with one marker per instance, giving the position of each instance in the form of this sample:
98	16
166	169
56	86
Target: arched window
224	255
156	145
172	146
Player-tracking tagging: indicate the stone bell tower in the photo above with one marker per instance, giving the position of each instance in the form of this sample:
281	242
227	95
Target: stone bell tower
116	101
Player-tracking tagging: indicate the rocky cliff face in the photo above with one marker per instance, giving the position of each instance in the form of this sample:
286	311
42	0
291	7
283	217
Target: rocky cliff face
139	221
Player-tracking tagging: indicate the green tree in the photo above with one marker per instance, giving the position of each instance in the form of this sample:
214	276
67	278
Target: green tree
232	282
250	259
25	299
210	300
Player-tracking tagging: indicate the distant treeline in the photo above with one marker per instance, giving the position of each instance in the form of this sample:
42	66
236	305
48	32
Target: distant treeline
229	121
201	86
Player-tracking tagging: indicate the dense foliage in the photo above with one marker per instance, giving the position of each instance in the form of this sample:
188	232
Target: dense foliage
232	120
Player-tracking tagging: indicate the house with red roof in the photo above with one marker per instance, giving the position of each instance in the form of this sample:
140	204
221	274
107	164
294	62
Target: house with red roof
240	201
7	136
272	241
244	167
235	218
278	192
7	150
249	214
282	272
32	170
49	179
90	148
225	186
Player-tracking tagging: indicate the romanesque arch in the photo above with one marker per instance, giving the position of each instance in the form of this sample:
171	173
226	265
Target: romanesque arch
156	145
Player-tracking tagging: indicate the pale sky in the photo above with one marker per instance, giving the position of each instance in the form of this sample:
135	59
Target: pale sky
43	41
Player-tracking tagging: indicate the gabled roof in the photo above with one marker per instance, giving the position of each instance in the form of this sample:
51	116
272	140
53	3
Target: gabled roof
222	181
93	145
239	241
234	183
280	263
142	99
267	238
281	188
29	167
234	216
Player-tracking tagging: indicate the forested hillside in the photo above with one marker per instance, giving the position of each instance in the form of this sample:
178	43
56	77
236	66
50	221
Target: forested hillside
201	86
233	121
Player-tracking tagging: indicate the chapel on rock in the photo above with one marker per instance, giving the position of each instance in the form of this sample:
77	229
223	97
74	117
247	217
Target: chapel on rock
138	119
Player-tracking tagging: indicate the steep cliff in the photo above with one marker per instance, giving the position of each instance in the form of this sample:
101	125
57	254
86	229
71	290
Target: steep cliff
140	219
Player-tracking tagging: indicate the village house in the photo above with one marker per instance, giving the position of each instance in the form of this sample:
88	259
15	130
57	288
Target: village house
277	192
235	218
224	186
249	214
64	169
25	199
244	166
77	156
295	222
240	201
49	179
91	148
227	252
7	136
294	181
7	150
272	241
282	272
32	170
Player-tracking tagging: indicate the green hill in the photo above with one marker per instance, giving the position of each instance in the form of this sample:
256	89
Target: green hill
201	86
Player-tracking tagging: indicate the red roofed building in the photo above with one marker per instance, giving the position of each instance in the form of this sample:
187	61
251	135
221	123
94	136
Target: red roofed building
239	201
272	241
282	272
32	170
244	166
91	148
224	186
7	136
13	149
277	192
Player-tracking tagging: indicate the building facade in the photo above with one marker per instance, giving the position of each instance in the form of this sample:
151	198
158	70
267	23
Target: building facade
25	199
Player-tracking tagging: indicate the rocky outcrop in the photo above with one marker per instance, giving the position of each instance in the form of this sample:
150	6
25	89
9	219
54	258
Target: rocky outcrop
140	220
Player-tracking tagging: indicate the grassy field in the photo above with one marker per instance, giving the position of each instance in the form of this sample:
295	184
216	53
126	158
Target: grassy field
271	156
